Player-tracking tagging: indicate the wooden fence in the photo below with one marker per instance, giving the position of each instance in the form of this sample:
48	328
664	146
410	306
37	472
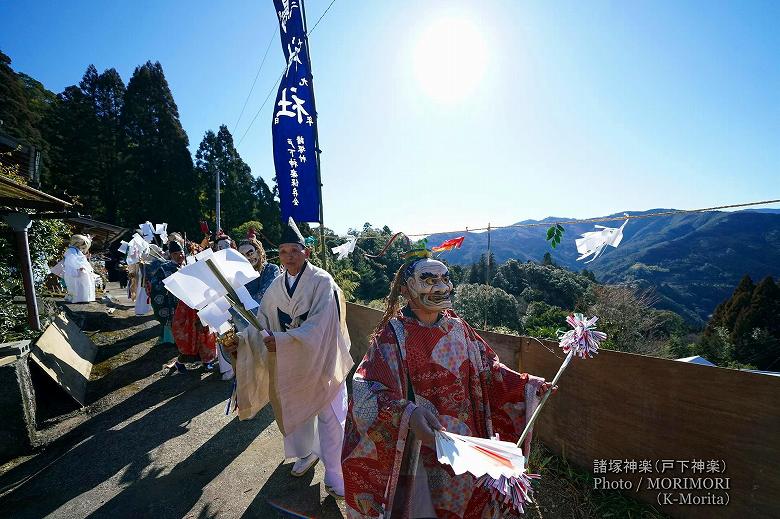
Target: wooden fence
683	436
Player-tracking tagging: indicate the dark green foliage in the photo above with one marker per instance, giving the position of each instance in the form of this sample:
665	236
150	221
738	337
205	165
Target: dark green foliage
533	282
46	239
19	110
88	144
744	329
555	234
484	270
487	307
24	106
160	174
267	210
239	233
543	320
217	153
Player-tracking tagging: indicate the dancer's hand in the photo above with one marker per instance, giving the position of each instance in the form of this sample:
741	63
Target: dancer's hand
270	343
544	387
230	341
424	424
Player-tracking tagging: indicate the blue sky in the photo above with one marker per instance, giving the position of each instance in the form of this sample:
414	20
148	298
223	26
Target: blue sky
572	109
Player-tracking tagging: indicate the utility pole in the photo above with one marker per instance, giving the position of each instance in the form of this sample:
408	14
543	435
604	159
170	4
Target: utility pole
487	263
219	220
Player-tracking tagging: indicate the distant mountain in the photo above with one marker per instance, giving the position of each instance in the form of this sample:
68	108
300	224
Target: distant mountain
691	261
769	210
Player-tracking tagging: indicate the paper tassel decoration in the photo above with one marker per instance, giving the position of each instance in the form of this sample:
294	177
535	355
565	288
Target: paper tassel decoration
346	248
454	243
582	340
593	243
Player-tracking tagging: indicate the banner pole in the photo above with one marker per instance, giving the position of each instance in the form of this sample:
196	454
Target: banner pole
324	255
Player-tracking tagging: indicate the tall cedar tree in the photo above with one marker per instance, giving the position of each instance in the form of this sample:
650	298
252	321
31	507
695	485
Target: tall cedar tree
217	153
750	318
761	349
88	143
160	183
70	129
111	144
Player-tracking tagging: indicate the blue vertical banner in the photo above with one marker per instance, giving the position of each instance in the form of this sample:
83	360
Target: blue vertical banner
294	125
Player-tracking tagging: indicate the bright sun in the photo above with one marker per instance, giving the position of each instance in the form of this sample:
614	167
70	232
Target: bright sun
450	59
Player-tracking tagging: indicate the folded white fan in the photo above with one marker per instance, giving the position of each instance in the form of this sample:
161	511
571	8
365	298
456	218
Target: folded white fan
479	456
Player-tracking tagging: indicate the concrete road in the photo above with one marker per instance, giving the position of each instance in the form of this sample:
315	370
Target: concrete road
152	445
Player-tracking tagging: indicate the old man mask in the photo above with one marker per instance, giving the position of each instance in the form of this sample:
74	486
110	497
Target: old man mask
428	281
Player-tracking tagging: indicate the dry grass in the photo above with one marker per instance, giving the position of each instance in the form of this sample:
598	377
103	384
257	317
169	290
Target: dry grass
567	492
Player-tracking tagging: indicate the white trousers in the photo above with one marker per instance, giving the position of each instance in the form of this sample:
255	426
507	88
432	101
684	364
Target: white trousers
142	306
323	435
224	365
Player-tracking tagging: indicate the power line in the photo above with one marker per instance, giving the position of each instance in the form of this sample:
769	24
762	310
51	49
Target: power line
609	218
321	17
260	109
252	88
280	76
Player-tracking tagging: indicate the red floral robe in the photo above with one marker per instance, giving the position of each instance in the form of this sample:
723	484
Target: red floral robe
455	374
193	340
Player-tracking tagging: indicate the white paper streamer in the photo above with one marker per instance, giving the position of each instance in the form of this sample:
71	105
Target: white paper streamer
593	243
216	315
346	248
196	286
147	231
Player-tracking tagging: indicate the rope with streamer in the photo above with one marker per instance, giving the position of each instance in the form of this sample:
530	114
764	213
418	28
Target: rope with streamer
587	220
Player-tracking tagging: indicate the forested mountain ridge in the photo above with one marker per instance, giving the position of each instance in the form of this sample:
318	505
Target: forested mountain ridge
691	261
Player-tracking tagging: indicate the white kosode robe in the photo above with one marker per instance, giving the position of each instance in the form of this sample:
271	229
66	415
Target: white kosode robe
306	376
79	276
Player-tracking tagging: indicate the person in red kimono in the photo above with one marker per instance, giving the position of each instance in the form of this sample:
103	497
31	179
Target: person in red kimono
426	369
195	342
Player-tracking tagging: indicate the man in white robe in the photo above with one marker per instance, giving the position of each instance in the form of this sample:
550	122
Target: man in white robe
79	275
302	367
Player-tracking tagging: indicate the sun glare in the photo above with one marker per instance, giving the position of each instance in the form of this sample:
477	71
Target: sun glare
450	58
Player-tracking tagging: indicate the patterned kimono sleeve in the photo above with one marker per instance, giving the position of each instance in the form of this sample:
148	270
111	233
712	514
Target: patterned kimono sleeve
376	428
505	390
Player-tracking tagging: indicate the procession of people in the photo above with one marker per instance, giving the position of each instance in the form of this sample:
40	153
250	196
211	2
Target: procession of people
425	370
